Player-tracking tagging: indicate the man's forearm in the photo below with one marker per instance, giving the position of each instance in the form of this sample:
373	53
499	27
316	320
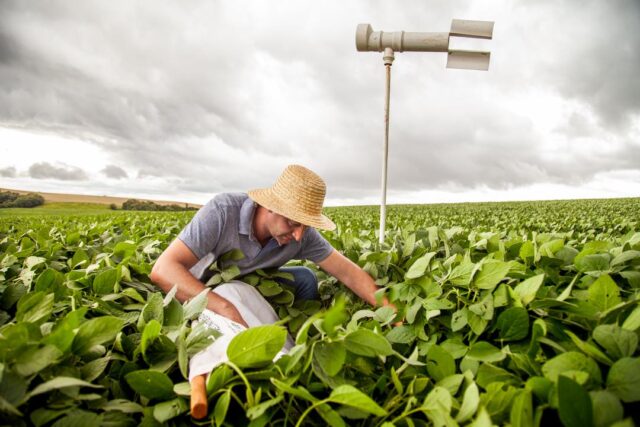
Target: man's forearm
167	276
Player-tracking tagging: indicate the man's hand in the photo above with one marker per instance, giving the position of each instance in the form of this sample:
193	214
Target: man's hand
224	307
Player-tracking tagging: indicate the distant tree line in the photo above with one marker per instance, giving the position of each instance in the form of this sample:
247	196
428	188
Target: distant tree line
143	205
9	199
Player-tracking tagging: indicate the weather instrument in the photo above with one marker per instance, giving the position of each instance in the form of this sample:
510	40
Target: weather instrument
368	40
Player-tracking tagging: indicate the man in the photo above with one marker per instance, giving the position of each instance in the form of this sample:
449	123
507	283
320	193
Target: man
270	226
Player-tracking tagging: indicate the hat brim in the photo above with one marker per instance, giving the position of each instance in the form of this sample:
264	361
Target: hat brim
265	197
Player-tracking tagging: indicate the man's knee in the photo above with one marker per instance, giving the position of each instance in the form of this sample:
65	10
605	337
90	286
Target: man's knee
304	281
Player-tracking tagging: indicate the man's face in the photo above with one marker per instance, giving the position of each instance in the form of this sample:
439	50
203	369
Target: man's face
284	229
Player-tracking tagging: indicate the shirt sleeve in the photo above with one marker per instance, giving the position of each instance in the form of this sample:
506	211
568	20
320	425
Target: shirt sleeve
314	247
203	233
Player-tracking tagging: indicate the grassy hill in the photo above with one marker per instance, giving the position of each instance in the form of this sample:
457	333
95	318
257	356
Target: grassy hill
64	204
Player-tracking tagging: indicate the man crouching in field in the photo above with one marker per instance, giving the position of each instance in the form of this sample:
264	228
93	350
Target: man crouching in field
270	226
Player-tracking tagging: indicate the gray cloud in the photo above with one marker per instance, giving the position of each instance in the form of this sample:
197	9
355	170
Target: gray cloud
44	170
217	98
115	172
8	172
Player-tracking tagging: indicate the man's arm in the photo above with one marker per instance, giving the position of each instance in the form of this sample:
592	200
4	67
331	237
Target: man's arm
356	279
172	267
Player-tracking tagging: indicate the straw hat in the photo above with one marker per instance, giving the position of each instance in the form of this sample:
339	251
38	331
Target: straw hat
297	194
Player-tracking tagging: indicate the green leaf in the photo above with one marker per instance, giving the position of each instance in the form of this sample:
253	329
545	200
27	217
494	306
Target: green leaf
351	396
99	330
153	309
607	408
150	333
165	411
330	356
256	346
571	361
218	378
485	352
122	405
95	368
470	402
65	329
196	305
513	324
221	408
334	317
437	406
401	334
632	322
491	273
604	293
258	410
419	267
58	383
151	384
574	404
593	263
528	289
367	343
230	273
617	342
35	307
624	379
459	319
522	410
35	361
105	281
440	364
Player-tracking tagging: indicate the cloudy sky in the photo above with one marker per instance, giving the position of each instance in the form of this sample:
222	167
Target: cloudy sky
180	100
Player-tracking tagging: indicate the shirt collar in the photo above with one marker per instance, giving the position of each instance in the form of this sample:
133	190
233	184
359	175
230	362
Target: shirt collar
247	210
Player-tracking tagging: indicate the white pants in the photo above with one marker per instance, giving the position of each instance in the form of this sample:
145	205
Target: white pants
255	311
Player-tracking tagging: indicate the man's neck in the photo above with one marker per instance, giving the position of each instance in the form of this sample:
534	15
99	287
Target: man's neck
259	225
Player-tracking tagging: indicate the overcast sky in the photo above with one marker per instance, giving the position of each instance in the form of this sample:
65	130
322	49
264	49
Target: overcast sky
180	100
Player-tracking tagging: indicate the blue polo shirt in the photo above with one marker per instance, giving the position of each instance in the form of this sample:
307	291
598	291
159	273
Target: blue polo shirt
225	223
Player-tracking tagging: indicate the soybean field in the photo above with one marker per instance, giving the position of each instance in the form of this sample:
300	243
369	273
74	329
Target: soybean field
519	313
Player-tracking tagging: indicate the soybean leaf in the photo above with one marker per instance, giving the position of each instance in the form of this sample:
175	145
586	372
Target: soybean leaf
470	401
571	361
617	342
522	410
604	293
221	408
527	289
105	281
35	307
574	403
624	379
440	364
58	383
164	411
151	384
196	305
513	324
491	273
367	343
330	356
96	331
419	267
351	396
258	410
256	346
632	322
485	352
35	361
607	408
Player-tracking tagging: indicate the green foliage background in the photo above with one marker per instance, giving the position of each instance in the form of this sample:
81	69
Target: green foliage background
513	313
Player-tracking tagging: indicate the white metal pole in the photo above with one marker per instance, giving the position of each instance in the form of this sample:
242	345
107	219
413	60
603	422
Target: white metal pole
388	60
